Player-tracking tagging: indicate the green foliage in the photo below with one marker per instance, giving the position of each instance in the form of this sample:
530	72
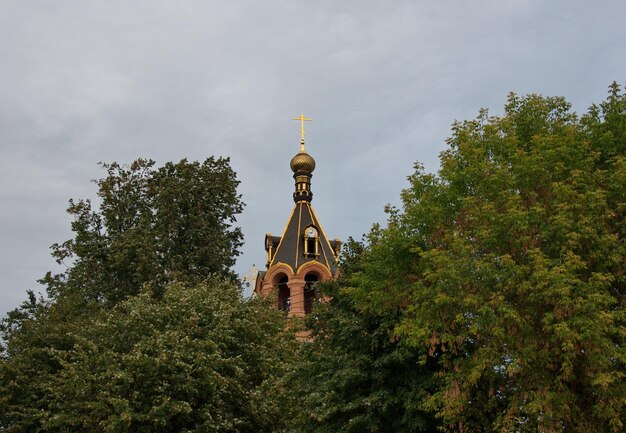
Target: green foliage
353	375
172	223
132	337
492	301
507	268
199	359
33	334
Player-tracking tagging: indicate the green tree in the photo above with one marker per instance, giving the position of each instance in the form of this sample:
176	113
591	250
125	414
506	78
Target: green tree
200	358
508	267
160	225
153	227
31	335
354	375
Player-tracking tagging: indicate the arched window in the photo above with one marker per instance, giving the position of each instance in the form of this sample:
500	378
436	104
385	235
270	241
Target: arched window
310	293
284	294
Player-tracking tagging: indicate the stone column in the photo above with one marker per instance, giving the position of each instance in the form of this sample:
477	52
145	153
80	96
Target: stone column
296	287
267	288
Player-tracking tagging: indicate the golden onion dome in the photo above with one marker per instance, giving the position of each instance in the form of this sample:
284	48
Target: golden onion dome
302	163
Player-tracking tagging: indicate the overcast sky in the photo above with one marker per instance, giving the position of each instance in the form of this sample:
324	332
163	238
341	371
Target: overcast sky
88	81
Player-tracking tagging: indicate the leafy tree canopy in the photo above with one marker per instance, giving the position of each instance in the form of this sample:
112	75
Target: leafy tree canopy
142	332
507	268
353	375
153	225
199	359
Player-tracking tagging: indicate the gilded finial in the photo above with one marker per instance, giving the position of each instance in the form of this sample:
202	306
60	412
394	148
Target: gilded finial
302	119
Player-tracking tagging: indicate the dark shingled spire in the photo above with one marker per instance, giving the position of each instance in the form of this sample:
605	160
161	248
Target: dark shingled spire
290	247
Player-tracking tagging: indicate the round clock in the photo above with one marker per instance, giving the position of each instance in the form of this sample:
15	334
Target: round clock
311	232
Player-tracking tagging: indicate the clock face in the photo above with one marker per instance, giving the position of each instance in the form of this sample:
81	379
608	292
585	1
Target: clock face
311	232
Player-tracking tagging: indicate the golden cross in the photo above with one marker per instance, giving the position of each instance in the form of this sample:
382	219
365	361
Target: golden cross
302	119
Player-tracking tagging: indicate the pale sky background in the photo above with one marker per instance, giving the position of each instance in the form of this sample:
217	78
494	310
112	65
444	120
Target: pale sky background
88	81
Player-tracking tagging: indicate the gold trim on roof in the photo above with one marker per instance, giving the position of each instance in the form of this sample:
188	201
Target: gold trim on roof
312	262
314	218
324	258
298	235
277	265
316	223
282	237
321	228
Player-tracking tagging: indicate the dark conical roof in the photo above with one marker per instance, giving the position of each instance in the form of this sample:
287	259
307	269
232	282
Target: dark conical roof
290	249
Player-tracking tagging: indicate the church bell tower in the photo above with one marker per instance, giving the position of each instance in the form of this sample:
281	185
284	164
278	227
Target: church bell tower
302	255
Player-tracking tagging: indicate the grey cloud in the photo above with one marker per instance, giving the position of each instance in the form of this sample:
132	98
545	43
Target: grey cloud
113	81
